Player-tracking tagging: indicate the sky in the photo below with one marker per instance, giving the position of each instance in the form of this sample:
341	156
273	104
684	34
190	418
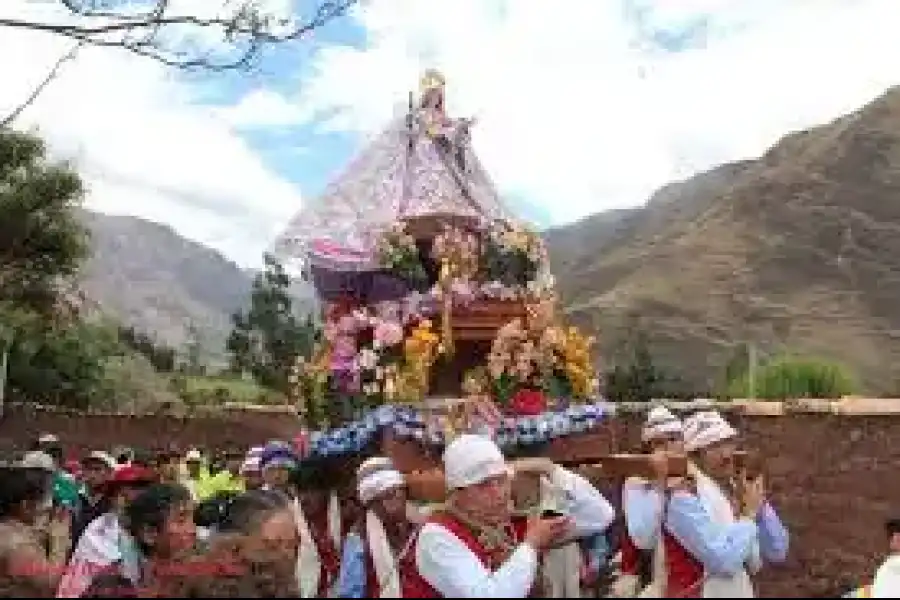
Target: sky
581	105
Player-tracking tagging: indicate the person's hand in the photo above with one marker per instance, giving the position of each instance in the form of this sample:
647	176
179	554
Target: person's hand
59	530
681	484
543	534
534	466
60	522
754	495
659	465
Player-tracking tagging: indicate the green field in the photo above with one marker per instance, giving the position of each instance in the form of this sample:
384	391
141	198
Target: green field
229	389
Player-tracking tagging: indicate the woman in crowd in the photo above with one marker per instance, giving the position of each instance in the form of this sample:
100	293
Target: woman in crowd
252	555
104	538
26	497
161	533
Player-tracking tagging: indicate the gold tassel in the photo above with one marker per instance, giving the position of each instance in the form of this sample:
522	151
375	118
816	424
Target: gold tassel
447	315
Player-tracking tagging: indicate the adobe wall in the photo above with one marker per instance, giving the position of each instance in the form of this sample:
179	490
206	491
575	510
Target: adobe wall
835	477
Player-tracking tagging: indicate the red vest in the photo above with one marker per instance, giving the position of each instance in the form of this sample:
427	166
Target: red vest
406	566
684	574
328	556
419	588
630	556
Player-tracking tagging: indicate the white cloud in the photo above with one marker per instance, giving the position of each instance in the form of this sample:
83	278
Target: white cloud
262	108
580	110
144	144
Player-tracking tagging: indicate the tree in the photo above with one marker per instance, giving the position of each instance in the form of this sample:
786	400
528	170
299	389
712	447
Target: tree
634	377
194	354
47	80
161	356
240	30
232	38
63	366
42	241
266	339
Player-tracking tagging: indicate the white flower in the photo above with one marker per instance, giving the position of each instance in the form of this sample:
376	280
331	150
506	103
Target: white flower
368	359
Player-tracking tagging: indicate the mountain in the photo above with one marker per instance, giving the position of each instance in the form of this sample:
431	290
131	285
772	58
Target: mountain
145	274
797	250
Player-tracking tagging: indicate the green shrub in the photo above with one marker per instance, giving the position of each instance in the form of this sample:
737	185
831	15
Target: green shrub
795	377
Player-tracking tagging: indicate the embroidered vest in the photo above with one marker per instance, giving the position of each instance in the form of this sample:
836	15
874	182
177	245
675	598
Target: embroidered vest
684	573
328	556
406	565
419	588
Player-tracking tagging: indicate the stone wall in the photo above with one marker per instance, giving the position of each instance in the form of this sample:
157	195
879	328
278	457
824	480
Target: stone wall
835	477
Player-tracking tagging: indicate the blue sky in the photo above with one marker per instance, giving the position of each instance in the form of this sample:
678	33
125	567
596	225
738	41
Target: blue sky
578	110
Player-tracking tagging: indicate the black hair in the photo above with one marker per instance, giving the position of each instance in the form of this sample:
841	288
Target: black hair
247	511
322	474
211	512
152	506
52	449
22	484
892	527
144	458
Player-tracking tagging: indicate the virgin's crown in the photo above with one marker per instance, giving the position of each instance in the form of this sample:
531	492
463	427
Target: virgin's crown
431	79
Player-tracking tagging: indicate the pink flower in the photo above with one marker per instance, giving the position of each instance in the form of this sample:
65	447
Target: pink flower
347	324
463	291
388	334
344	351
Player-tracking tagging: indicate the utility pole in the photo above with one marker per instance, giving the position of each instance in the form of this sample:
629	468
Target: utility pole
5	347
4	366
751	371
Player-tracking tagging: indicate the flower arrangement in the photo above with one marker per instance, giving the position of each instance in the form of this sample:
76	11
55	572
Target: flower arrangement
399	255
512	255
535	359
310	382
575	353
457	250
377	356
420	351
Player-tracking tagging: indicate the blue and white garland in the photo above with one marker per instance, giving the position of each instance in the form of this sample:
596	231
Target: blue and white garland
410	424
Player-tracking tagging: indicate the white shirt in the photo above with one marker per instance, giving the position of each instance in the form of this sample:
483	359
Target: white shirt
103	543
887	579
454	571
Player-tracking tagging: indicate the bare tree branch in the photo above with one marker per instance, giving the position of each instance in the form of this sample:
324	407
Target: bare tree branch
247	31
51	75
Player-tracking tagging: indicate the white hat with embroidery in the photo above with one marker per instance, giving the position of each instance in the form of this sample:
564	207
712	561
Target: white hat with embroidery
472	459
661	423
705	429
376	476
36	459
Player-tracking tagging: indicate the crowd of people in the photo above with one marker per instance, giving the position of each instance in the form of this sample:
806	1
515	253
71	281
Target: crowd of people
270	522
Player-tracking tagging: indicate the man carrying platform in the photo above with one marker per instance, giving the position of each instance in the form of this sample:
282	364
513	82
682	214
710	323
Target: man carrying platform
475	548
716	526
318	514
377	561
643	554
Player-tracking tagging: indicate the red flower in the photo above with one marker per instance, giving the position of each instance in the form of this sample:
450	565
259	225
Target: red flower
528	402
